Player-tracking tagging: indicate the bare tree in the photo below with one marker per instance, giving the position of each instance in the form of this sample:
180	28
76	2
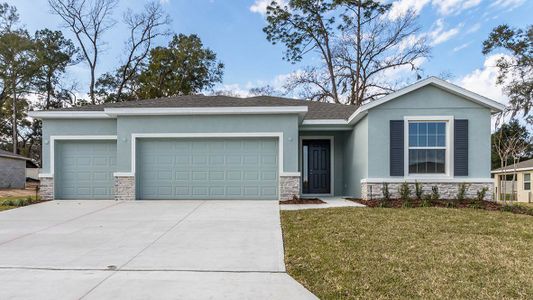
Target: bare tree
88	20
143	29
358	42
371	45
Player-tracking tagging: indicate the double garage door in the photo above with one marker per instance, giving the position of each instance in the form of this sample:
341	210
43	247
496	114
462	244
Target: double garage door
172	169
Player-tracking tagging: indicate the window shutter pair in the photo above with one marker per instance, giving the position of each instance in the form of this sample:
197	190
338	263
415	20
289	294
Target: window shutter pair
460	148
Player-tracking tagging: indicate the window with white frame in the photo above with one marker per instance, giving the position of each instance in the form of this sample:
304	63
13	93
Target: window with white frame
527	181
427	147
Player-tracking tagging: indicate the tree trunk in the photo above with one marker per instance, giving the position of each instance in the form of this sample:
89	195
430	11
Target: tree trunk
14	117
91	87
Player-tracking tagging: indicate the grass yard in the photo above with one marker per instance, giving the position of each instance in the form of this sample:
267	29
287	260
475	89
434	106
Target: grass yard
373	253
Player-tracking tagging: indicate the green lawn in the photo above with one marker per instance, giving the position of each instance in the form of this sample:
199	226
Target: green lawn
373	253
15	198
6	207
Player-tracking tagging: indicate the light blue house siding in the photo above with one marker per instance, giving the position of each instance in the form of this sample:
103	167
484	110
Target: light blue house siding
356	158
66	127
429	101
287	124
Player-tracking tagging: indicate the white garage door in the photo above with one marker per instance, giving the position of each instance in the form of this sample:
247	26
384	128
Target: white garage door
208	168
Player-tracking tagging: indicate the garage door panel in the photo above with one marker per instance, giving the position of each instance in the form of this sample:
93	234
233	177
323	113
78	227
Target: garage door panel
209	169
84	169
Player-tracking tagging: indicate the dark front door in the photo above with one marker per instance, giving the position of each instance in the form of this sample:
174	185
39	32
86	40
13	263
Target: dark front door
316	166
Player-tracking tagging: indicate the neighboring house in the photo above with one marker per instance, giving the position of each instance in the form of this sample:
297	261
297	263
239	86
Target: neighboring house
32	170
218	147
522	181
12	170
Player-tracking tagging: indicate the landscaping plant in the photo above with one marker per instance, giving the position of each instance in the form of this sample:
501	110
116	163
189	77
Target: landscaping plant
481	194
435	193
461	192
385	191
405	194
419	192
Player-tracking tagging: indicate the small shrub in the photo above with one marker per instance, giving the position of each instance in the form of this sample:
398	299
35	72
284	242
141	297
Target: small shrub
481	194
405	192
385	191
435	193
29	200
8	203
21	202
426	200
419	192
461	192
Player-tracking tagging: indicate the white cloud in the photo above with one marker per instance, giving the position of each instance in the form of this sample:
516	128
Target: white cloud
439	35
474	28
260	6
447	7
444	7
461	47
511	4
483	80
164	1
400	7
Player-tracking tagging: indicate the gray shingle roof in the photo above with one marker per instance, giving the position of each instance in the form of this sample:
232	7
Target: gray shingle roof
4	153
526	164
316	110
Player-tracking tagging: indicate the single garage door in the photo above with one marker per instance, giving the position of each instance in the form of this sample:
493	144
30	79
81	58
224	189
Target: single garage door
244	168
84	169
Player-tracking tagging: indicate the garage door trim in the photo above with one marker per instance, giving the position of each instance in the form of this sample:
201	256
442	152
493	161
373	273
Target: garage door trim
54	138
278	135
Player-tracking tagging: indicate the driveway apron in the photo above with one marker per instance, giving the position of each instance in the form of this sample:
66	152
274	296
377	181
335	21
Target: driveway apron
145	250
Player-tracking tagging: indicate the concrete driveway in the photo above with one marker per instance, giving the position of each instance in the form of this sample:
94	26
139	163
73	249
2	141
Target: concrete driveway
145	250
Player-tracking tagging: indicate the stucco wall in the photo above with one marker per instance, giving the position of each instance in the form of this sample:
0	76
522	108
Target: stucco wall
73	127
356	158
430	101
12	173
288	124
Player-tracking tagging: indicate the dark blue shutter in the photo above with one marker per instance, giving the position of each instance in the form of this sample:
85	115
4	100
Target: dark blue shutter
460	148
396	148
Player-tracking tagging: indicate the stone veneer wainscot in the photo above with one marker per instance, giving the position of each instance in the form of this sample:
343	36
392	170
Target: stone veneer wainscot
289	186
124	188
447	190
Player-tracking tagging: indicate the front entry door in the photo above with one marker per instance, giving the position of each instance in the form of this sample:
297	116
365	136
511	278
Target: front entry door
316	166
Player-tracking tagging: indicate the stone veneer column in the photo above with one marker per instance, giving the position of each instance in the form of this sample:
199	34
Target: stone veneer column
289	186
124	188
447	190
46	188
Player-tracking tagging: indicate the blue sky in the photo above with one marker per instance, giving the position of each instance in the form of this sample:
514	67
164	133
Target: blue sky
233	29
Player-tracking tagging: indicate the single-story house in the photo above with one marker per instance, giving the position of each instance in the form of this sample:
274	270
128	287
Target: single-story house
219	147
12	170
521	173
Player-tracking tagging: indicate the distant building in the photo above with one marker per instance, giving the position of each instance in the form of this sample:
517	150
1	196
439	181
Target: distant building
12	170
522	181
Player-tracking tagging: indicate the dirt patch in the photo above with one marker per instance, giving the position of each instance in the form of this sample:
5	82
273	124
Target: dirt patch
297	200
28	191
467	203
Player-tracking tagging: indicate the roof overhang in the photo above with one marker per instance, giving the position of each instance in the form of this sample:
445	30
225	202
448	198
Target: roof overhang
494	106
511	170
170	111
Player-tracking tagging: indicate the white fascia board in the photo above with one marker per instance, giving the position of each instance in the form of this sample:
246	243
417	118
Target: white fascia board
511	170
68	115
139	111
452	88
325	122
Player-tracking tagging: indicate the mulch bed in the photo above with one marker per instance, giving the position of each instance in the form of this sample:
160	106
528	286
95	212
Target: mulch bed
297	200
467	203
